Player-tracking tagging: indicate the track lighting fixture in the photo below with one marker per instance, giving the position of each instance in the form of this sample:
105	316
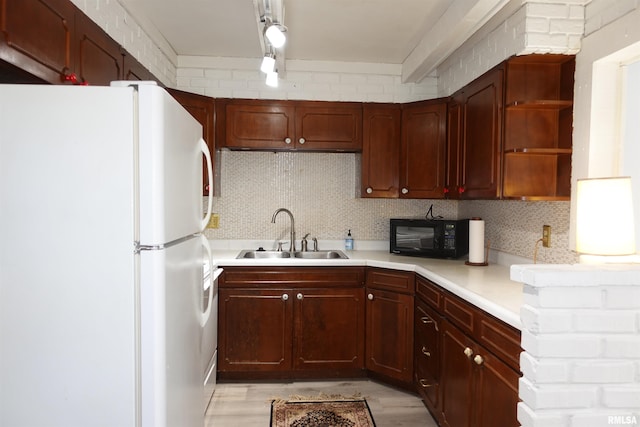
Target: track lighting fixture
268	63
275	34
272	79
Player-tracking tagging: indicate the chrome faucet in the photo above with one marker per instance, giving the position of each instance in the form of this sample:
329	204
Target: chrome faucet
292	247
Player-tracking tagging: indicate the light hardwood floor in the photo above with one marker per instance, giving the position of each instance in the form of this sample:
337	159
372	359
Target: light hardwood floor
249	405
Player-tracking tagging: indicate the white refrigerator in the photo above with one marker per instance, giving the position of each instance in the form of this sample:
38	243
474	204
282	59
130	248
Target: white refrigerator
101	257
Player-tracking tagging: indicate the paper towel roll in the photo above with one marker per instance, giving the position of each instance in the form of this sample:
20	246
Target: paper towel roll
476	241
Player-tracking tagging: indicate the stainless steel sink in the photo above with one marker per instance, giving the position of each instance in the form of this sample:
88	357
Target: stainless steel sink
320	255
257	254
263	254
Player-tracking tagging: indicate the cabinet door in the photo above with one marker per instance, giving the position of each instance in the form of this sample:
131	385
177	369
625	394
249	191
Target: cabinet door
423	150
134	70
380	150
496	397
457	377
202	108
427	355
329	329
332	126
255	327
482	136
99	58
453	180
259	125
389	334
37	36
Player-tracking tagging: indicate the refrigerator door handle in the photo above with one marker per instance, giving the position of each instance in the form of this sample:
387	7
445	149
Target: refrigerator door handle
207	155
207	313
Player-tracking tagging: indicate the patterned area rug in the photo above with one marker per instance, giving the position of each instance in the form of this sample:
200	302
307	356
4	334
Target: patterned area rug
302	412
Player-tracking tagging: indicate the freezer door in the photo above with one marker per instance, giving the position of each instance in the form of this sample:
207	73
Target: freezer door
171	335
67	297
170	168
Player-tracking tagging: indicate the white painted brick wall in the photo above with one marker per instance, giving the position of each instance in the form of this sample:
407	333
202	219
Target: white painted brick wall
599	13
536	27
160	59
308	80
581	342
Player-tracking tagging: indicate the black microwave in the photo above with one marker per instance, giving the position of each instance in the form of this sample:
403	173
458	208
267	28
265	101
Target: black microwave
433	238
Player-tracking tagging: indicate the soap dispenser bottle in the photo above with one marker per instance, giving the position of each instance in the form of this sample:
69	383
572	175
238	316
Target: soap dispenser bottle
348	242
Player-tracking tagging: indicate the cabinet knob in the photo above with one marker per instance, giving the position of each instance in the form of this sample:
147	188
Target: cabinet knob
468	352
370	297
478	359
424	383
302	141
425	351
287	140
405	190
460	189
369	190
300	296
285	297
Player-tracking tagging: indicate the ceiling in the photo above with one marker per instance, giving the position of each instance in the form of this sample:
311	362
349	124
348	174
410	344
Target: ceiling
418	34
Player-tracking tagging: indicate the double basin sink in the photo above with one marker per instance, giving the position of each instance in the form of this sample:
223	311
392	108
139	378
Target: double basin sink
262	254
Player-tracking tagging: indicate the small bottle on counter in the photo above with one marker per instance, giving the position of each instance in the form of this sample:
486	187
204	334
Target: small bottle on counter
348	242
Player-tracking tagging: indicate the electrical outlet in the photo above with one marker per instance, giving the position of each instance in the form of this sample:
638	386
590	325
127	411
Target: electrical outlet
214	221
546	236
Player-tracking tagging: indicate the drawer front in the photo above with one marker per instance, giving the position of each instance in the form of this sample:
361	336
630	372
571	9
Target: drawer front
460	313
293	277
499	338
391	280
430	293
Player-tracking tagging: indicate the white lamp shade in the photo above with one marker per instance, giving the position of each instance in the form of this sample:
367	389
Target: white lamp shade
272	79
604	217
276	36
268	64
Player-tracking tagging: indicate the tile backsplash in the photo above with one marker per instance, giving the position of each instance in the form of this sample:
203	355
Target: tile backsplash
322	191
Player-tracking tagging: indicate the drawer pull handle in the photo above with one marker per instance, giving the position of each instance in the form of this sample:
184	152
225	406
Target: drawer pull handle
299	296
468	352
426	320
424	383
285	297
478	359
370	297
425	352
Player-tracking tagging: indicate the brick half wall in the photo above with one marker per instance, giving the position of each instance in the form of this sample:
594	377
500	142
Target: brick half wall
581	341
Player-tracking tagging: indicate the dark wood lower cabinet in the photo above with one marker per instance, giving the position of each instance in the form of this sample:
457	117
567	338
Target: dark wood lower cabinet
304	323
310	322
478	389
328	329
390	334
255	330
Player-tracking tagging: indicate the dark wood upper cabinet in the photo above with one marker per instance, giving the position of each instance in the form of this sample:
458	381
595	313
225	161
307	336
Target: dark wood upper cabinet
538	127
423	149
380	163
99	58
404	150
258	124
328	126
511	131
38	36
482	105
291	125
134	70
202	108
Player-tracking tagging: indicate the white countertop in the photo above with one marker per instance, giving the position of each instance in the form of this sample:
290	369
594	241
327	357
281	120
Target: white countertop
489	288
